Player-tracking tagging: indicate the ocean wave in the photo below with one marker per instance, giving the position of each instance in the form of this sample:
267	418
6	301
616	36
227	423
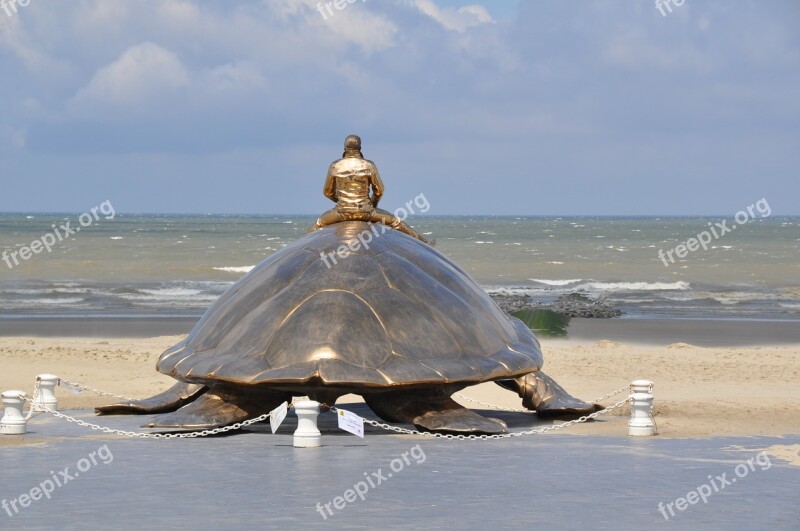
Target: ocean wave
25	291
171	292
635	286
507	290
47	292
687	296
143	295
727	298
234	269
556	282
65	300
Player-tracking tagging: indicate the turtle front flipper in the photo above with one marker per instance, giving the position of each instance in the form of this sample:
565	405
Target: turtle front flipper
220	406
432	410
541	393
176	396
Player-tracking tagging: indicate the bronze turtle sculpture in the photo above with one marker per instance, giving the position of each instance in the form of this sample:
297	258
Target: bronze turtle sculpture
390	319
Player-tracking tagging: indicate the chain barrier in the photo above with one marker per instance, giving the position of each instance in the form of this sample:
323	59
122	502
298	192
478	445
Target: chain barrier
626	387
536	431
143	435
33	408
75	387
492	406
533	412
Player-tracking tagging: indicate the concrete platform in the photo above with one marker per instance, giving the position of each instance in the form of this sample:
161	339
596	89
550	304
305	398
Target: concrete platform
253	479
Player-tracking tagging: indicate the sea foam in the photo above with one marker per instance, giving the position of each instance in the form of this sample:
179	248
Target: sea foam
232	269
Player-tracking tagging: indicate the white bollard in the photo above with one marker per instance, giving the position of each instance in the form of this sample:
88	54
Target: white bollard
47	392
307	435
13	422
642	423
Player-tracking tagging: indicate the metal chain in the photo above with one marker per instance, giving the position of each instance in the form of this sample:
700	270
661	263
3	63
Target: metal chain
142	435
204	433
492	406
79	387
517	410
612	393
34	408
537	431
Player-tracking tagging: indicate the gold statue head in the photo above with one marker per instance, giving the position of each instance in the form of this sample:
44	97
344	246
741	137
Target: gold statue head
352	146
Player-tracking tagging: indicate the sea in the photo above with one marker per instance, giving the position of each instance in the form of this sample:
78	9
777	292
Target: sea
177	265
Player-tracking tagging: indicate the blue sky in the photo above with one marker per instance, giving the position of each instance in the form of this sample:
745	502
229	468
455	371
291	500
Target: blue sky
502	107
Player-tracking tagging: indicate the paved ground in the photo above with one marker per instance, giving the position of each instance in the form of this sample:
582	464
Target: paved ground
258	480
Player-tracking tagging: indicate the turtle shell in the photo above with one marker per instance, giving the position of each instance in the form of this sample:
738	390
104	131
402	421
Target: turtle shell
389	311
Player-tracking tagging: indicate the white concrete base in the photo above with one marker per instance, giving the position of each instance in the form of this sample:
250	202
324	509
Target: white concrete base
13	422
307	434
642	423
47	392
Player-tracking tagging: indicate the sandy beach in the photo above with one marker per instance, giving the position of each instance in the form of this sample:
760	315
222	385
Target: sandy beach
700	392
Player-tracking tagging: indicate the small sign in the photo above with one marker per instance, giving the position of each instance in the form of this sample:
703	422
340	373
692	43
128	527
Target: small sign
277	415
351	422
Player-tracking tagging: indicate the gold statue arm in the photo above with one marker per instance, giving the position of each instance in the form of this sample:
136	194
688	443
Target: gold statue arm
330	186
377	187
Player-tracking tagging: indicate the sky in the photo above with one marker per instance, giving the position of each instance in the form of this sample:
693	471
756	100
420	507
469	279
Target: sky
499	107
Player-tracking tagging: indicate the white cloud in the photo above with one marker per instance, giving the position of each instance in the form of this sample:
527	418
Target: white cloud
13	138
638	49
233	79
355	23
371	31
460	19
142	74
15	37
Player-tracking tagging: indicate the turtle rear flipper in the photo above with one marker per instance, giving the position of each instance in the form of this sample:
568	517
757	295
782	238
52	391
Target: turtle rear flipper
432	410
220	407
541	393
176	396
